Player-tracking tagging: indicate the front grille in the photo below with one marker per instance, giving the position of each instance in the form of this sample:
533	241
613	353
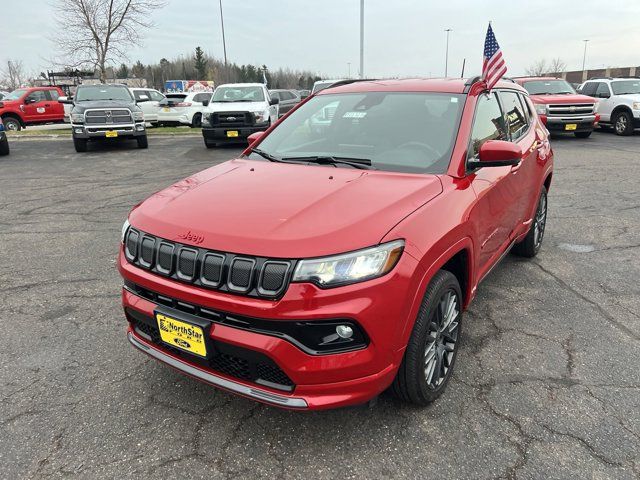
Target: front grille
232	119
227	272
108	116
571	110
223	357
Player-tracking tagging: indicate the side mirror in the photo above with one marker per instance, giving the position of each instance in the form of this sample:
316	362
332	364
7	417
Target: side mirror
274	101
29	100
205	103
603	95
65	100
254	137
497	153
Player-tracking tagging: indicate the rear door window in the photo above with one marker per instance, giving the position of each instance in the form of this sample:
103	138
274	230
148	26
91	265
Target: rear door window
590	88
488	123
603	90
201	97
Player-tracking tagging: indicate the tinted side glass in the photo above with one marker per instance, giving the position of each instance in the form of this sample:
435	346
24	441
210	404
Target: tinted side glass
137	94
514	113
52	94
589	88
156	96
37	96
603	90
201	97
488	123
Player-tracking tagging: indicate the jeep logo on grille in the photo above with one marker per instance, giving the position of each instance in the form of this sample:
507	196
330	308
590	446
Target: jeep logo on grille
192	237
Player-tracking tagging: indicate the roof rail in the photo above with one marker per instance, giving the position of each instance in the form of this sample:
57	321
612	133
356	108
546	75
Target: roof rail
349	81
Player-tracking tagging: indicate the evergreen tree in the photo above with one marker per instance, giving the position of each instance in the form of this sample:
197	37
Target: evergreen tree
123	71
200	64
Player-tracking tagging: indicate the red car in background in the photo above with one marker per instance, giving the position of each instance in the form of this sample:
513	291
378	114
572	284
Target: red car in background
327	264
31	106
560	108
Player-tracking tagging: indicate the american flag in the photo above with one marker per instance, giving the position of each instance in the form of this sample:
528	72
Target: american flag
493	66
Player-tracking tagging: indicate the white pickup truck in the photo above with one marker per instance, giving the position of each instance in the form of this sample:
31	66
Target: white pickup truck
237	110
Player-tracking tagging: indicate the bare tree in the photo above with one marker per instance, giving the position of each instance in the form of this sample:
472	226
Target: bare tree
98	32
13	76
557	65
538	68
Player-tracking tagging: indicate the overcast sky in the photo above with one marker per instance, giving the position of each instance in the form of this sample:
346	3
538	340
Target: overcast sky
402	37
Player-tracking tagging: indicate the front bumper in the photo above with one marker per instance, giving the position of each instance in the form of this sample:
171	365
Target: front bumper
219	134
381	307
583	124
137	129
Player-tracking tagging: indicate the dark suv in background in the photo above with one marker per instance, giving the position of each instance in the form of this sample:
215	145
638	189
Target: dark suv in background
105	111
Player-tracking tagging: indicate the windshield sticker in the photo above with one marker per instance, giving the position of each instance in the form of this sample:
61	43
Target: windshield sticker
354	115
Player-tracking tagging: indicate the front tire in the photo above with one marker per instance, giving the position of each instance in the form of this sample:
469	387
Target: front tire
143	142
583	134
80	144
196	122
531	244
4	148
12	123
623	123
431	352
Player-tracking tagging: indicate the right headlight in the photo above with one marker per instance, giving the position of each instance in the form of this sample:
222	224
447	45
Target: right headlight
541	109
206	118
77	118
350	267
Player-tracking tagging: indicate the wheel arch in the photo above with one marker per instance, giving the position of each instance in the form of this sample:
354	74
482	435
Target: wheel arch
16	115
618	109
547	181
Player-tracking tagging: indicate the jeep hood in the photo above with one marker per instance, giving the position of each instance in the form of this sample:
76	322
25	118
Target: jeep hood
284	210
236	107
562	99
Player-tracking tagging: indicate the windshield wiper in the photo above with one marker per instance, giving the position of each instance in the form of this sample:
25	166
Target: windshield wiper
361	163
266	155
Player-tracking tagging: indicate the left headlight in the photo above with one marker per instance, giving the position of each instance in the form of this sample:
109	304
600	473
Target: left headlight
125	227
77	118
138	116
350	267
541	109
261	117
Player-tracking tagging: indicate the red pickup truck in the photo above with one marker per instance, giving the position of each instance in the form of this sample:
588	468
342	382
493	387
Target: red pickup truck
31	106
560	108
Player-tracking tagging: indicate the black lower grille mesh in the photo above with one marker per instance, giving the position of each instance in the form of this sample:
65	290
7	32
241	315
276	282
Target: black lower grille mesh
228	359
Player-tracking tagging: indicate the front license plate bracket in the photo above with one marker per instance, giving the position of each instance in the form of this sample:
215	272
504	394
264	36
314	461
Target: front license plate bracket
185	332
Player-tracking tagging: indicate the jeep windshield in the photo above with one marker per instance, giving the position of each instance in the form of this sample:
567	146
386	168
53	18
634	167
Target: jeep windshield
15	95
393	131
549	87
92	93
238	94
625	87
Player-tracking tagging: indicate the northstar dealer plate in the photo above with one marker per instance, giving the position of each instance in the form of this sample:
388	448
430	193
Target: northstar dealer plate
183	335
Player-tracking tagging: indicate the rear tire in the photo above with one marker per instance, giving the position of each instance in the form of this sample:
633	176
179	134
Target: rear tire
143	142
531	244
12	123
583	134
432	349
4	147
196	122
623	123
80	144
210	144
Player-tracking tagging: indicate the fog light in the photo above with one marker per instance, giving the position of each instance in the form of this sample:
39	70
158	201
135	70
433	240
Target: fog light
344	331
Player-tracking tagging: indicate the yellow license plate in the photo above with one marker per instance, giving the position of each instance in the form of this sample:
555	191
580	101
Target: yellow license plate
111	133
166	109
570	126
185	336
232	133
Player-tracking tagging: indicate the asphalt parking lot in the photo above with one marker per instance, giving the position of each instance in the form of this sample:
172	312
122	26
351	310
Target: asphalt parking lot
547	384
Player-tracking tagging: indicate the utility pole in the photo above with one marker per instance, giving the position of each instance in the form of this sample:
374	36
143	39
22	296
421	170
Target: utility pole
361	38
446	55
224	42
584	55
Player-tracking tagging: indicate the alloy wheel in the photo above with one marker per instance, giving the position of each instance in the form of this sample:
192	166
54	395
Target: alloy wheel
12	125
441	342
540	221
621	124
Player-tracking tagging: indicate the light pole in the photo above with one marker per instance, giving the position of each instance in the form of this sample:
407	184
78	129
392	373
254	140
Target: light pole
361	38
584	55
446	56
224	43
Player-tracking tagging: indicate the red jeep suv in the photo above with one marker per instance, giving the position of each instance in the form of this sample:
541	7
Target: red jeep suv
336	256
31	106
